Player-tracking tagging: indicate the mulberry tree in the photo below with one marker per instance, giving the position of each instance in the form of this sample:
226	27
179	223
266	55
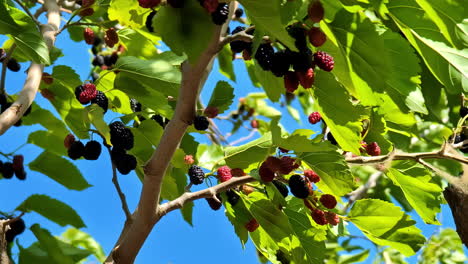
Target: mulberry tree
380	85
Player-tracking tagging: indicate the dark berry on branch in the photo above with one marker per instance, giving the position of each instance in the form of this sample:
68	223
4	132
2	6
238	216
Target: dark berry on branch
196	175
316	11
233	197
211	111
121	136
312	176
282	188
126	163
299	35
76	150
16	228
221	14
3	99
101	100
314	118
264	56
201	123
291	81
238	46
266	173
13	65
373	149
149	3
92	150
8	170
98	60
302	61
299	186
215	205
280	63
324	61
463	111
149	21
87	12
176	3
18	162
135	105
20	174
332	218
239	12
47	78
159	119
459	138
287	165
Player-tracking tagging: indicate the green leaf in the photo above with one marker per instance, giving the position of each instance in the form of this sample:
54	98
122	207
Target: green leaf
335	177
349	259
118	101
7	23
186	30
238	215
152	74
448	63
208	156
96	117
187	212
252	152
222	96
273	86
50	245
46	119
48	141
80	239
376	131
36	254
264	14
69	109
421	192
128	13
52	209
53	166
137	45
225	63
341	116
298	141
386	225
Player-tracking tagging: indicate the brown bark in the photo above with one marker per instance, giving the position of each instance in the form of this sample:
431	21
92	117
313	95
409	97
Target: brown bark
457	199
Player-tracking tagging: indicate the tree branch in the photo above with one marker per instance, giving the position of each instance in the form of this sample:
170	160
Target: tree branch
121	194
206	193
144	218
11	115
4	68
363	189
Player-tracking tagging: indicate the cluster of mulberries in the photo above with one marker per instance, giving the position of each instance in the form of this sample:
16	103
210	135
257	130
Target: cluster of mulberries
87	93
274	165
15	167
103	59
5	103
12	63
122	139
16	228
76	149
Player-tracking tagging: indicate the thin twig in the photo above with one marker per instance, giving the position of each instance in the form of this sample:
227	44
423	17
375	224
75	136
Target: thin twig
242	139
115	180
67	24
206	193
4	68
451	179
362	190
33	17
74	24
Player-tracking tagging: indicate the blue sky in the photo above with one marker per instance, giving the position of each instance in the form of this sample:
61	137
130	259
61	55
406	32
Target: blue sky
211	240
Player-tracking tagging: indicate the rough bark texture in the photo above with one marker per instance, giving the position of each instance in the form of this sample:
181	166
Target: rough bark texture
457	198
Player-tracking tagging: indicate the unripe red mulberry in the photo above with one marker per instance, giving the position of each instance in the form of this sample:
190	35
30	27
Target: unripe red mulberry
224	173
319	217
266	173
111	38
254	123
88	35
306	79
211	111
252	225
68	141
87	12
314	118
316	11
288	164
332	218
47	78
149	3
312	176
273	163
328	200
316	37
324	61
373	149
237	172
291	81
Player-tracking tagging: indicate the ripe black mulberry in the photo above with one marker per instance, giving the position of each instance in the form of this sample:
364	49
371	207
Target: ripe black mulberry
221	14
264	56
121	136
8	170
76	150
92	150
13	65
101	100
201	123
299	187
282	188
196	175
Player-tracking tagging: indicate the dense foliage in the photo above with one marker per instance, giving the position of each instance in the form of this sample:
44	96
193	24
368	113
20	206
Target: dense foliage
383	81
